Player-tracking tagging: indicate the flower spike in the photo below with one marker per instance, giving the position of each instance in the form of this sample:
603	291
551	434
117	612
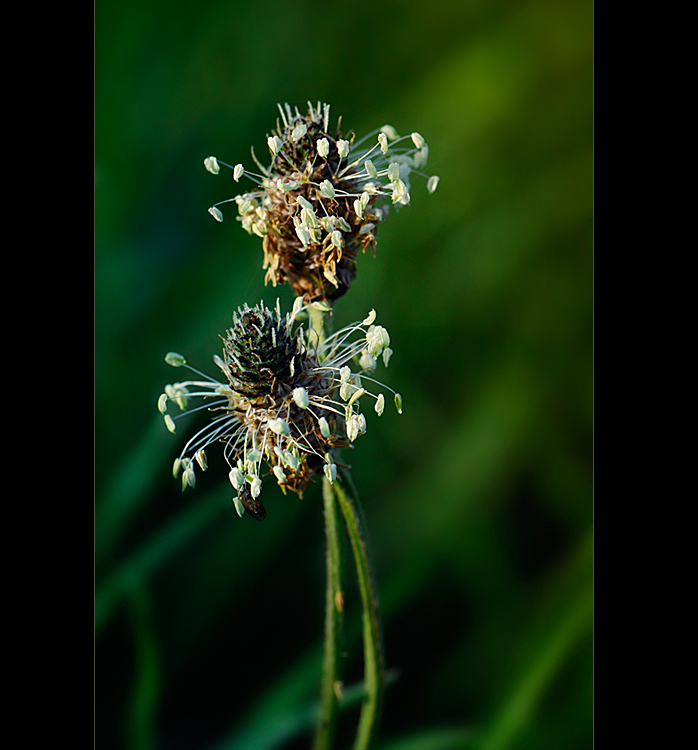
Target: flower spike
284	402
320	183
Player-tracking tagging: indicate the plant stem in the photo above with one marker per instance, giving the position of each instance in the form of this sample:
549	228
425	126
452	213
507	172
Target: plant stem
334	602
334	610
373	652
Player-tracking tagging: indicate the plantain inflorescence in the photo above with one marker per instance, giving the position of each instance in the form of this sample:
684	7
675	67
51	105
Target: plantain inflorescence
285	403
318	204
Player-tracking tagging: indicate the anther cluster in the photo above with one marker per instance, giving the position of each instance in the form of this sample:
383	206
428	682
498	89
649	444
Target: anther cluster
284	404
318	204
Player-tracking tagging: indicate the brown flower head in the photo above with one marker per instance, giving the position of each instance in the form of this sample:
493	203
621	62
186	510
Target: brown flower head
285	404
318	204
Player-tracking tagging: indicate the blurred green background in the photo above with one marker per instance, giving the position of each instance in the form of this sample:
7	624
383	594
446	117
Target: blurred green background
478	498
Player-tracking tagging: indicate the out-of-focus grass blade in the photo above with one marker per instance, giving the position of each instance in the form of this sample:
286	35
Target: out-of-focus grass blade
550	640
435	739
280	716
466	462
155	552
130	484
146	688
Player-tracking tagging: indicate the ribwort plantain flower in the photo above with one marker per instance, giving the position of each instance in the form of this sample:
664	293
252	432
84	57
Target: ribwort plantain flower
287	401
319	202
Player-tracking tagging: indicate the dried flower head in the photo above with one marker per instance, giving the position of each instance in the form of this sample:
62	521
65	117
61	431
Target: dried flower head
286	402
319	202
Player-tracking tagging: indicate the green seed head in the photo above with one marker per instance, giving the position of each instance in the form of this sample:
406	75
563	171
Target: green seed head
261	352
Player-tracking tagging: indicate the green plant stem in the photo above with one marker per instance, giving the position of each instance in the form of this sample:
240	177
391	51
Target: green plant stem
334	603
334	610
373	652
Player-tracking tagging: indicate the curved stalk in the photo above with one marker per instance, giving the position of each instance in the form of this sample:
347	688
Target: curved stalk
373	652
334	610
334	601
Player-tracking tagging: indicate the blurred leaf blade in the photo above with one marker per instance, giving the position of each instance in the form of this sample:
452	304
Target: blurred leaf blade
154	553
551	638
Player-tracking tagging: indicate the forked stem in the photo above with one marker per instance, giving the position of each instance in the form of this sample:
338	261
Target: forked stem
334	602
335	495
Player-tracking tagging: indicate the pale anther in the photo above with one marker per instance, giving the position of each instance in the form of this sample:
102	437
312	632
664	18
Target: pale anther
236	478
239	507
327	189
211	164
380	404
275	143
330	472
162	403
200	457
300	396
279	426
298	132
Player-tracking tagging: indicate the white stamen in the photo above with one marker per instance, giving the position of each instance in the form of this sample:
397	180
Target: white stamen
279	426
327	189
236	478
330	470
211	164
239	507
174	359
300	396
298	132
275	143
380	404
